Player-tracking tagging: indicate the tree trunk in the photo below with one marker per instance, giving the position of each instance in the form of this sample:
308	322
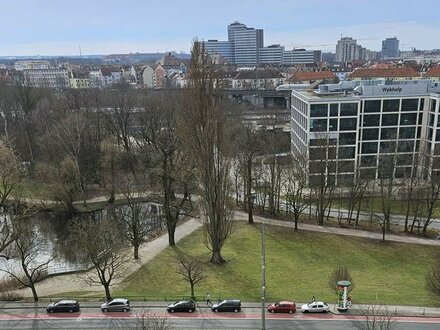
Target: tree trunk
249	191
136	251
296	220
192	291
217	258
383	232
34	292
107	292
171	226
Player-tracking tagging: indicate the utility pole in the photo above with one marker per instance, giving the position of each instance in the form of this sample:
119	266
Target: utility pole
263	279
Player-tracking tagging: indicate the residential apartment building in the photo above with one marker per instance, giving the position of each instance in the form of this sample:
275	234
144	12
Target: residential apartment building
360	128
46	78
390	48
402	73
433	73
79	80
31	65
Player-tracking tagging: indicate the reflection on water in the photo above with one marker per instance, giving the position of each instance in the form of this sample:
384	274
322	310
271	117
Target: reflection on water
52	230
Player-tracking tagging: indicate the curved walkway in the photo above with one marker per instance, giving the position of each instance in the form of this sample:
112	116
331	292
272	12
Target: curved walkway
240	215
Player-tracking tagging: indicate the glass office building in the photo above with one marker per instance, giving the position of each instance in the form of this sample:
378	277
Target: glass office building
359	128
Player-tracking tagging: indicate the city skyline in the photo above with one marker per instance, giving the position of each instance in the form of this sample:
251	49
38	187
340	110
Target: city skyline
50	27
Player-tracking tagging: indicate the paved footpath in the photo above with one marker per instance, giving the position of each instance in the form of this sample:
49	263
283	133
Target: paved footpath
239	215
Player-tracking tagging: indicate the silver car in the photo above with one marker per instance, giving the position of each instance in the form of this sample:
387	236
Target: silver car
315	307
116	305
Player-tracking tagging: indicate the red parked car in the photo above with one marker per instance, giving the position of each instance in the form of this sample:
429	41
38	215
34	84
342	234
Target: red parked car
282	307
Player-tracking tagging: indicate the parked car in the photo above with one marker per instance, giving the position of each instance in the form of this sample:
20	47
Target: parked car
182	306
227	305
116	305
63	306
282	307
315	307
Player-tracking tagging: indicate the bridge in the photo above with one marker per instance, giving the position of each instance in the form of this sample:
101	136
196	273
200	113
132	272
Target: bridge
267	98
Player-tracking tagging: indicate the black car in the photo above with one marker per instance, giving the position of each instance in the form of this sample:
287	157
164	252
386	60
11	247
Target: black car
63	306
182	306
228	305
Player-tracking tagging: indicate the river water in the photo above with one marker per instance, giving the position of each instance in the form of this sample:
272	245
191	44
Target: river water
55	241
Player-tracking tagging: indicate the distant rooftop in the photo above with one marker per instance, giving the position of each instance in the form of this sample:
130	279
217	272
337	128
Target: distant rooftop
371	88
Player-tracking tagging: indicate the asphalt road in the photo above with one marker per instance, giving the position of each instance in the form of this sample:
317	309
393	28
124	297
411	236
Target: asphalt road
203	319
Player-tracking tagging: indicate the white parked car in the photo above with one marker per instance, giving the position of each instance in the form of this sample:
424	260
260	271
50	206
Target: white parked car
315	307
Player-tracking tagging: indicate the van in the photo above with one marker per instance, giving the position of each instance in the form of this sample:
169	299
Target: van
227	305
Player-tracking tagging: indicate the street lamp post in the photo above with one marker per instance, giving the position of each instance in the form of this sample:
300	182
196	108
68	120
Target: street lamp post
263	279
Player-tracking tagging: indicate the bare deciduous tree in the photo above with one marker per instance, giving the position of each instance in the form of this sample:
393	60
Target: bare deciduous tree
357	190
103	247
159	139
146	320
205	128
250	143
295	182
137	219
375	317
432	281
63	179
11	172
27	99
26	248
120	122
191	270
322	172
341	273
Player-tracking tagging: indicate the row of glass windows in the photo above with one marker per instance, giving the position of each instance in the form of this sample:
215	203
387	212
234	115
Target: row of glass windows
432	120
399	173
299	105
367	121
387	147
315	179
369	106
393	105
324	125
344	139
298	131
336	109
390	133
401	160
333	167
431	134
391	119
322	153
300	119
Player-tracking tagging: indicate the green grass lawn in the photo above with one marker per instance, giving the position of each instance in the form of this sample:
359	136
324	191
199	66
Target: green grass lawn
298	266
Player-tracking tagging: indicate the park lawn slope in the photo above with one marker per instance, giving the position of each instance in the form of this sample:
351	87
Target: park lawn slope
298	266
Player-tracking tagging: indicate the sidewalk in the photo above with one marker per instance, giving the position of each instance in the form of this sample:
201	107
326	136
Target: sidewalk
240	215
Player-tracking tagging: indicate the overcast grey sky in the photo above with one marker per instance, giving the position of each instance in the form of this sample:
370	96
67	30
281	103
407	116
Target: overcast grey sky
59	27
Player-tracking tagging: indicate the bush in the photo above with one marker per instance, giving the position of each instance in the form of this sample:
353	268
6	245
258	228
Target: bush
10	296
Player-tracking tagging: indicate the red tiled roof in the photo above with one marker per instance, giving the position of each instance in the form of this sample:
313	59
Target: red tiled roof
433	72
384	73
311	75
381	66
